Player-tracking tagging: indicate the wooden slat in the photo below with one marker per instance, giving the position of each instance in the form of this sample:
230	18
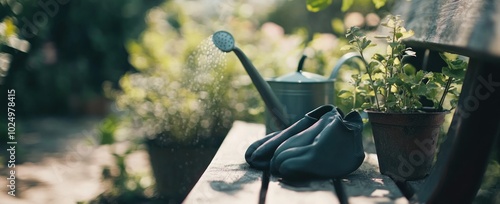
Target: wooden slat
367	185
313	192
228	178
466	27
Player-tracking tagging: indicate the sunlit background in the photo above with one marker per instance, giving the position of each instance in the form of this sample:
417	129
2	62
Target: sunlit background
114	95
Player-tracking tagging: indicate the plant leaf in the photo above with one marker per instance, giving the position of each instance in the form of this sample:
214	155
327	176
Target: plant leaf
455	69
365	43
393	80
347	47
346	4
338	25
366	105
345	94
454	73
391	104
390	23
458	64
10	28
379	3
446	56
378	57
317	5
409	69
419	89
399	35
406	34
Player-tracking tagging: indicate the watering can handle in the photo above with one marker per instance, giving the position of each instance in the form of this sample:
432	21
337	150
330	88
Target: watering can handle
346	57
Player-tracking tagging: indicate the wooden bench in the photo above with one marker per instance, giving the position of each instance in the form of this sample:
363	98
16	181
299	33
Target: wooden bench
469	28
229	179
466	27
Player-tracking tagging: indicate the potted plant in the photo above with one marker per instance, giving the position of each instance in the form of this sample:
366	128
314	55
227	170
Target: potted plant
184	96
180	126
392	93
176	108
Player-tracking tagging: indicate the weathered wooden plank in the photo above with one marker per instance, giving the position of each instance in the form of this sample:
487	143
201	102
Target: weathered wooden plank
466	27
311	192
228	178
367	185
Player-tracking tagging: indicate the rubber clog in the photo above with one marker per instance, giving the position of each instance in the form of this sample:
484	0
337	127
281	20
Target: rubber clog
306	137
335	152
259	153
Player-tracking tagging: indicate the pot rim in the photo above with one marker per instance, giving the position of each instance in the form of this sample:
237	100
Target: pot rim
434	112
301	82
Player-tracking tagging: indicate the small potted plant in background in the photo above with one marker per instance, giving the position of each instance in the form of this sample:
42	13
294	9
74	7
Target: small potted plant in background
392	92
177	109
181	126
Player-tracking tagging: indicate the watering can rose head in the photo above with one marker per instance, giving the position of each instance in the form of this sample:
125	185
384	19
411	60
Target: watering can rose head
389	84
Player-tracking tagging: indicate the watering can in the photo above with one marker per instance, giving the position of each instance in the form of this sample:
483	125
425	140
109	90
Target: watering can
289	97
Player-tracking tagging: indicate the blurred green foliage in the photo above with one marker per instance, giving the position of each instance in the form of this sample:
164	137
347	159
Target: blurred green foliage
183	101
107	128
123	186
74	48
318	5
293	15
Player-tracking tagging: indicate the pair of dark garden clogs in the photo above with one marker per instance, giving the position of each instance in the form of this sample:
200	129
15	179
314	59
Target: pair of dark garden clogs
323	144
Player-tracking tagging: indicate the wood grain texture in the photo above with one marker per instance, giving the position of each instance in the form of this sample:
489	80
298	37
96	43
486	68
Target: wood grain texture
466	27
319	192
228	178
367	185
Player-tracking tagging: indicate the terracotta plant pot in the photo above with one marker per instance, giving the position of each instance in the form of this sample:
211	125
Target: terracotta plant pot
406	142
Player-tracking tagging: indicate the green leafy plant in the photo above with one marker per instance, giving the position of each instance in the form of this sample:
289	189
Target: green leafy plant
64	74
122	185
318	5
389	84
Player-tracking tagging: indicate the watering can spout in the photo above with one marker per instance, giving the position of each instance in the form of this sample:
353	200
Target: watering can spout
224	41
344	59
270	99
